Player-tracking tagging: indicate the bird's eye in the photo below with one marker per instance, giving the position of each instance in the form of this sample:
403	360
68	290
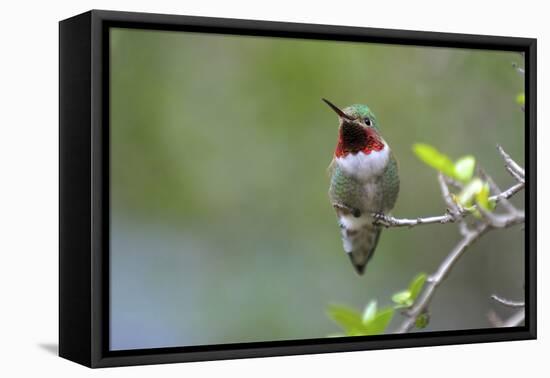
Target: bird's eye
367	121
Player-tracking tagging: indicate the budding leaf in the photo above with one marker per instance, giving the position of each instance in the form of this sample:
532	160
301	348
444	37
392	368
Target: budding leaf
353	324
403	298
467	195
380	322
349	319
422	321
464	168
435	159
416	285
370	312
482	198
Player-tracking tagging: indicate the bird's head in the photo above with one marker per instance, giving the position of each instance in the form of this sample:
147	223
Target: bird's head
358	130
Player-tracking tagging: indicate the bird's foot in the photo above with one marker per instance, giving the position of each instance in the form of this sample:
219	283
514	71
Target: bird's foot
381	219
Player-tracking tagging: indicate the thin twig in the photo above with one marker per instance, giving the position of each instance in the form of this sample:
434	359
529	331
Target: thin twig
446	193
389	221
453	209
507	302
455	213
514	174
502	220
452	215
508	192
496	189
453	182
422	302
511	166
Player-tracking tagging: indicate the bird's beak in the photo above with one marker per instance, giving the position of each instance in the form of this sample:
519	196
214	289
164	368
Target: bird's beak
337	110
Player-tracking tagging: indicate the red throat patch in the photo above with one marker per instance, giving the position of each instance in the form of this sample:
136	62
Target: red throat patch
366	143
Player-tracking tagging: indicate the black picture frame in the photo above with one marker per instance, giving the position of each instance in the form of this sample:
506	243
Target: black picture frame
84	187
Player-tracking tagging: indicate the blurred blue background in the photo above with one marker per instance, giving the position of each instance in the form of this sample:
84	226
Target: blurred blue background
221	228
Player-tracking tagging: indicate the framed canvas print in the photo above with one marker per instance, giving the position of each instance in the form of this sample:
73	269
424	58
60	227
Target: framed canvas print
234	188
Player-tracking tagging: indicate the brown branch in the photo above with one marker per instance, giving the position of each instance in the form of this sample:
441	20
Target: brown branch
389	221
452	215
456	213
507	302
496	189
502	221
511	166
508	193
422	302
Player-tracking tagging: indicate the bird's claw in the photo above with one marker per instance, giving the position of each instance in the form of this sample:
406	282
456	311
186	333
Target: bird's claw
380	218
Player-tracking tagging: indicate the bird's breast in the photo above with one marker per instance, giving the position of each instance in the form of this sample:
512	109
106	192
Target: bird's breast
365	167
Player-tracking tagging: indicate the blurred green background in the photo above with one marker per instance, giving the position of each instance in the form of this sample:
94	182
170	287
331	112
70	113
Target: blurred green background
221	228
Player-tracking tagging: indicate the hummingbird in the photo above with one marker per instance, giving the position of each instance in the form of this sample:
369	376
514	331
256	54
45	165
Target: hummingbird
364	181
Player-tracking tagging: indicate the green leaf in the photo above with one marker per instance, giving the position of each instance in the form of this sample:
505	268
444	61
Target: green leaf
347	318
416	285
402	297
354	325
435	159
422	321
520	99
464	168
380	322
370	312
482	198
467	195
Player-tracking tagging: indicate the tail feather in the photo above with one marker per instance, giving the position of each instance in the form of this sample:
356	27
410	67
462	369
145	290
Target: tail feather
360	244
